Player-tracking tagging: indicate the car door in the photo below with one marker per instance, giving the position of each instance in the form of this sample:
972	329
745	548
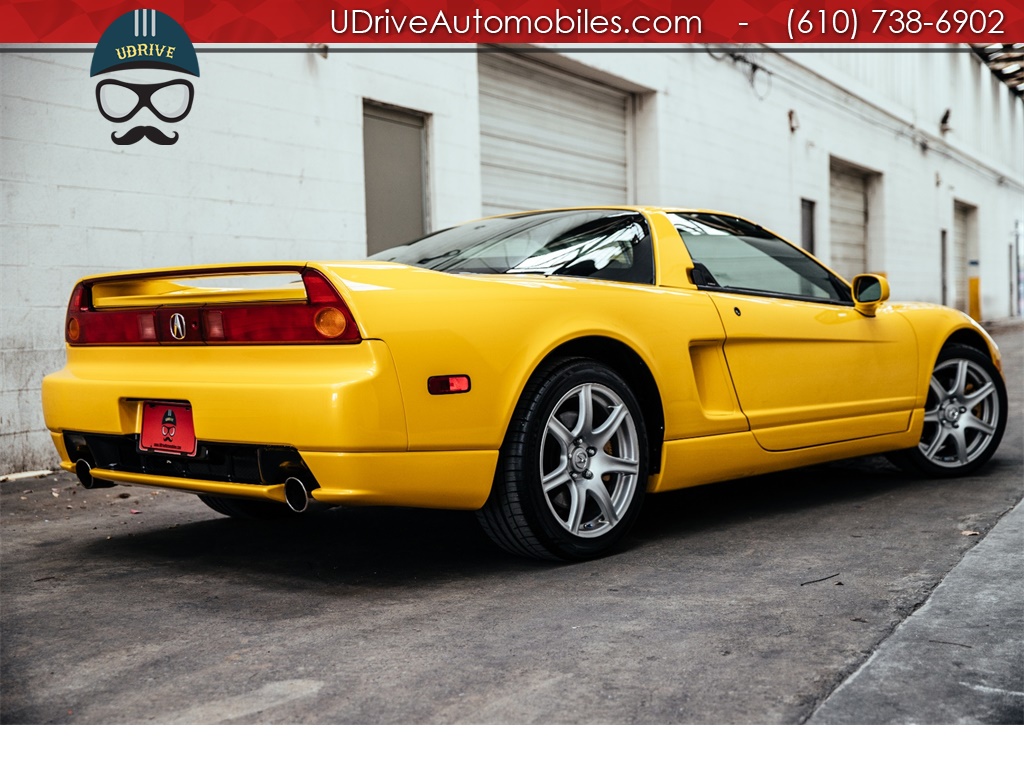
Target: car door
808	368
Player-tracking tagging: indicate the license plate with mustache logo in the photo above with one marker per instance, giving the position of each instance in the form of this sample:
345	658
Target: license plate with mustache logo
168	428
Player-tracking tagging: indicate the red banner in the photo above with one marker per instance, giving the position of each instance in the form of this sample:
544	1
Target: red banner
621	22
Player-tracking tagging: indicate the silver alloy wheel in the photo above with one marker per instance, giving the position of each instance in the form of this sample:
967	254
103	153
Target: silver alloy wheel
589	460
961	415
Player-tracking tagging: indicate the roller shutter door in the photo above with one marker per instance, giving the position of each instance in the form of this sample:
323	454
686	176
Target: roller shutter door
848	219
548	138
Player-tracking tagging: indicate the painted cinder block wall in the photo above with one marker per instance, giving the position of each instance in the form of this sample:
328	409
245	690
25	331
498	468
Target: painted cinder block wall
269	166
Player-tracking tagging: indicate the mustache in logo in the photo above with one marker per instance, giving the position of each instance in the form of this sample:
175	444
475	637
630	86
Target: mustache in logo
140	132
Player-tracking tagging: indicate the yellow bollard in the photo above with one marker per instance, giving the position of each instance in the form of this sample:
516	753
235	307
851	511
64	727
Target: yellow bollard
974	298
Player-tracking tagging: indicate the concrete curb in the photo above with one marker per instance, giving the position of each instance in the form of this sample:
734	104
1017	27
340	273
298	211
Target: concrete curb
960	657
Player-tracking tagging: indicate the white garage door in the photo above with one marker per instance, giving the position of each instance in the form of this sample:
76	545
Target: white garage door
547	138
848	221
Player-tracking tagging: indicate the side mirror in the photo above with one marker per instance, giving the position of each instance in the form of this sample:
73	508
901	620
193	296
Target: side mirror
869	291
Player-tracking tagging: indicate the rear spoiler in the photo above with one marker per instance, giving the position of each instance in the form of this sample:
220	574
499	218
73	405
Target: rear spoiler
228	283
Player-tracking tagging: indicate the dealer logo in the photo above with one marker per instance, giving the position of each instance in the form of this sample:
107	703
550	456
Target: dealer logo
169	426
178	326
143	47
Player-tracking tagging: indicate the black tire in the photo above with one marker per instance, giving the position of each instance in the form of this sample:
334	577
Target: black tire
965	416
246	509
569	487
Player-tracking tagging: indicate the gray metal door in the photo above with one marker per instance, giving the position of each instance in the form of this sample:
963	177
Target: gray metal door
395	176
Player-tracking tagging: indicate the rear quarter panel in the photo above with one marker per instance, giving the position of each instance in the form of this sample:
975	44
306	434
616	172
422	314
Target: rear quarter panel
498	329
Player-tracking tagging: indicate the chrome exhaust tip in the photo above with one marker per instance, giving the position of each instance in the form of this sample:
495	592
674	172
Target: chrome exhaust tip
84	474
296	495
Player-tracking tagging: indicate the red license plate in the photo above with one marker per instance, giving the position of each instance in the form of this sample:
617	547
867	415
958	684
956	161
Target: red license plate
168	428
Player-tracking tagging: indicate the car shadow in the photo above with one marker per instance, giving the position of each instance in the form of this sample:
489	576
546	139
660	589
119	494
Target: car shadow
691	510
397	545
386	546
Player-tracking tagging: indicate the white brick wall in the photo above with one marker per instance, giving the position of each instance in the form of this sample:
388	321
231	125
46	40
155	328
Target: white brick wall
269	166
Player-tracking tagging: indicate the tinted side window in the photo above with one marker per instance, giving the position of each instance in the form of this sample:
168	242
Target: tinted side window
608	248
731	253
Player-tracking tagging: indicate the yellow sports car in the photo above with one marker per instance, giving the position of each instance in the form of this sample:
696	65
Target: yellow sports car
546	369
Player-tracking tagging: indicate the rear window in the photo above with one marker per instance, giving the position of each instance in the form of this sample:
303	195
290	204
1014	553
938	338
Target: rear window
605	245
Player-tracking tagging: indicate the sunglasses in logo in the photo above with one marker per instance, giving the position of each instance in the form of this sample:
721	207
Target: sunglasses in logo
120	102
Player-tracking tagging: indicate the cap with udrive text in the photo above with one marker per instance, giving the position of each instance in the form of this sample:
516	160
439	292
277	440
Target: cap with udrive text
144	38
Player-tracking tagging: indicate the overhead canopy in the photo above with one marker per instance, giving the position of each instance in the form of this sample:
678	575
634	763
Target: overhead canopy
1006	62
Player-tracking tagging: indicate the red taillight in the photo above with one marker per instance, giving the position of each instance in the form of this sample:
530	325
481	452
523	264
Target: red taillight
318	289
147	326
213	325
110	327
73	324
85	325
79	298
271	324
323	318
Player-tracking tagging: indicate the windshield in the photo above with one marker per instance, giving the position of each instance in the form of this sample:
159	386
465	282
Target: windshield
607	245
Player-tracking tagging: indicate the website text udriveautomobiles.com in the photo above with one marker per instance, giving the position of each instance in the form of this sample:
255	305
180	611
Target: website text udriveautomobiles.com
582	22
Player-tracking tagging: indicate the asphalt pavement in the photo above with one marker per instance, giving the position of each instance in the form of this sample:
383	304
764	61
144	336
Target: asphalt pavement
844	593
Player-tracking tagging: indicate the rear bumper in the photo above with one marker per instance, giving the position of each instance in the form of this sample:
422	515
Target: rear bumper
333	416
358	479
327	398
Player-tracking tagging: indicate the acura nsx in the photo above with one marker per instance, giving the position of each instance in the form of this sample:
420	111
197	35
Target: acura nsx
546	369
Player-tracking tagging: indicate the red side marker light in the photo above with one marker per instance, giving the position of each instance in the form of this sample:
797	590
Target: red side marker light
448	385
